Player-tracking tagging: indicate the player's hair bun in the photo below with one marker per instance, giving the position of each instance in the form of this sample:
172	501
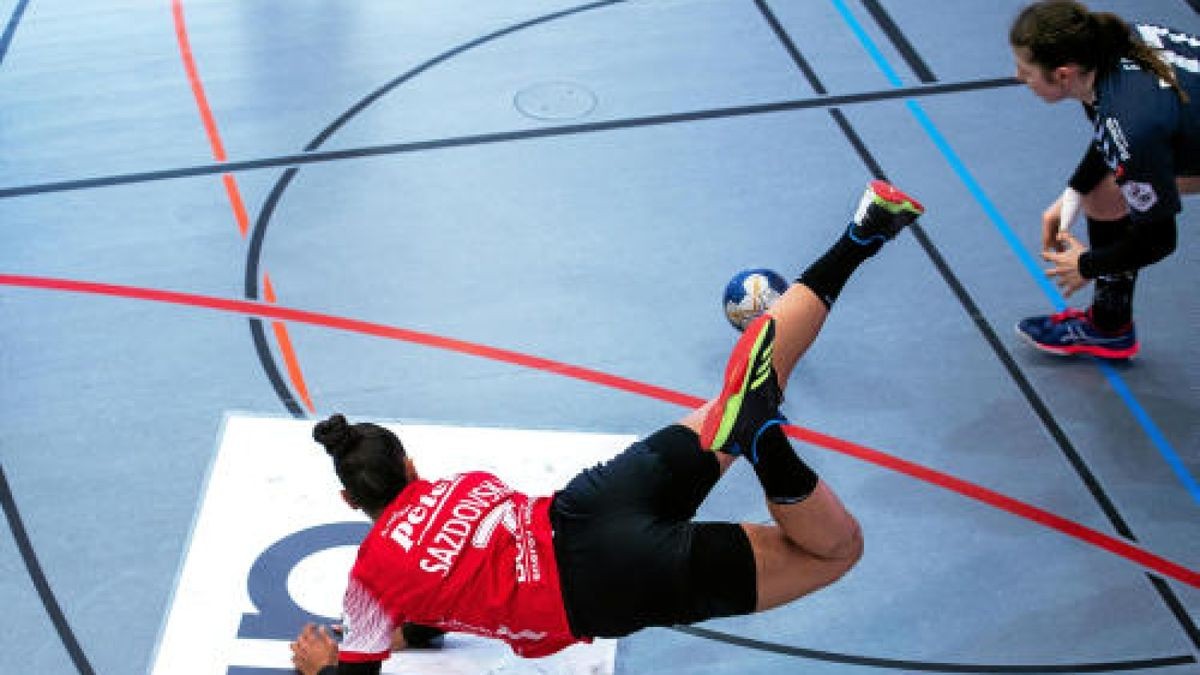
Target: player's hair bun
335	434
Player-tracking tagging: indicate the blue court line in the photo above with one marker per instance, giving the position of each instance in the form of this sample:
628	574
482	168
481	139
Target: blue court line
1031	265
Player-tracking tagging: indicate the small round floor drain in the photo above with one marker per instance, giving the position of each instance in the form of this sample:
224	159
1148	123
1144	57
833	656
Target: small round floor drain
555	101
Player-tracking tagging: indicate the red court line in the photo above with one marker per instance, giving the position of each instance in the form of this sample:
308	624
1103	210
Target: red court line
1122	548
235	194
1003	502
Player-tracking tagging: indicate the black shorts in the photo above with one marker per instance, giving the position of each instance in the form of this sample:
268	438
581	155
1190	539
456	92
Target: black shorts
628	553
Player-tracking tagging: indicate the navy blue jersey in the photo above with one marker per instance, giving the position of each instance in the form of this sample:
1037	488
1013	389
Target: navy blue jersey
1145	133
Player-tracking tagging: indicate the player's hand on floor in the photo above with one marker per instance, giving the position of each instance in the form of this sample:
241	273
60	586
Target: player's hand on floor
313	650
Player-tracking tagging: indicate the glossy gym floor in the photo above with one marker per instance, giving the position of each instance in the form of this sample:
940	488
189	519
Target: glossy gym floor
520	216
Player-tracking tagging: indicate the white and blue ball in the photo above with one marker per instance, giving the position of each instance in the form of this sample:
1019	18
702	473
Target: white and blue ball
750	293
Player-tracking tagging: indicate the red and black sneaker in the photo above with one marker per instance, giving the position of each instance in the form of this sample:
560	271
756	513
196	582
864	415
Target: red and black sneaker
882	212
750	396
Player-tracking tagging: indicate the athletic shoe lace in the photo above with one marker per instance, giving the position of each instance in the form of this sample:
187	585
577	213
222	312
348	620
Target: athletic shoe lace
1067	315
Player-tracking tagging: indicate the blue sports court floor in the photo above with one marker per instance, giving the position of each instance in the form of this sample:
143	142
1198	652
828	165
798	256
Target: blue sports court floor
520	216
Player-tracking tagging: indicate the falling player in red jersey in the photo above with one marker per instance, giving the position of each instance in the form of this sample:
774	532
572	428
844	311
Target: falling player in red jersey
616	549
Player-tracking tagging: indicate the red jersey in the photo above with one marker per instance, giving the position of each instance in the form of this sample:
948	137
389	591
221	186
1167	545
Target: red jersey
465	554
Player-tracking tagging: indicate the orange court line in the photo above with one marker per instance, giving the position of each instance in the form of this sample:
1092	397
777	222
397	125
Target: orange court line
285	346
295	374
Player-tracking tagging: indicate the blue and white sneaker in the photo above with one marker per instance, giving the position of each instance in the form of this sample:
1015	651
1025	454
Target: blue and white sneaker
1072	332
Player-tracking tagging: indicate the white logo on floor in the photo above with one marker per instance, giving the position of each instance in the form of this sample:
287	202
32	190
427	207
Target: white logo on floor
273	542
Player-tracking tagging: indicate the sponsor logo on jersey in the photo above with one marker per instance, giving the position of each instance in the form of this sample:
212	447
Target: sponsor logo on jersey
402	526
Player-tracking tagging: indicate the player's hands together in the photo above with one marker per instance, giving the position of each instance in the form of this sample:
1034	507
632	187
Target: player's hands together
1064	261
313	650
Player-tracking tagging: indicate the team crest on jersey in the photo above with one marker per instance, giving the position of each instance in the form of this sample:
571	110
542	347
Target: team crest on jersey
1141	197
273	543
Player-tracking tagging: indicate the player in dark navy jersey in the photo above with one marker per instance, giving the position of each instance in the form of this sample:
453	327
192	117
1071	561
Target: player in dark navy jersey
617	549
1140	86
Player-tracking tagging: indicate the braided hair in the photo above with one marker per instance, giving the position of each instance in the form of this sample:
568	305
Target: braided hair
368	459
1058	32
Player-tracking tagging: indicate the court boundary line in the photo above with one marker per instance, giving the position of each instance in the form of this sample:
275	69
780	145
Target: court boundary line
8	503
900	41
929	666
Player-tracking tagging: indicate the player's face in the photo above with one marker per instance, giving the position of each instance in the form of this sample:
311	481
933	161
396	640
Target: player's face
1037	78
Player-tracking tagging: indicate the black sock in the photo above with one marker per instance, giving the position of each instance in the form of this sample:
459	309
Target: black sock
784	477
828	275
1112	302
1112	299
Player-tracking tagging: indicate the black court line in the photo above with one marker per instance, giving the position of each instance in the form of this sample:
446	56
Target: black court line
927	667
258	331
985	328
11	513
900	41
317	157
11	28
38	577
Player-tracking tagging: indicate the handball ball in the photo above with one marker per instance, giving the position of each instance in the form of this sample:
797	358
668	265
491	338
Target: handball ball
750	293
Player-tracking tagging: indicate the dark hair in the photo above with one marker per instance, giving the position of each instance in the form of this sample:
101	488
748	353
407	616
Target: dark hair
368	458
1058	32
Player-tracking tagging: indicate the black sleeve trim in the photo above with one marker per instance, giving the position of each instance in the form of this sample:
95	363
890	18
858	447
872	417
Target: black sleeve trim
1145	243
422	637
1091	170
364	668
343	668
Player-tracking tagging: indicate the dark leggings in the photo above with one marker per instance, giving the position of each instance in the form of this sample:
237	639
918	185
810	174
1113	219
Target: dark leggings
628	552
1112	299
